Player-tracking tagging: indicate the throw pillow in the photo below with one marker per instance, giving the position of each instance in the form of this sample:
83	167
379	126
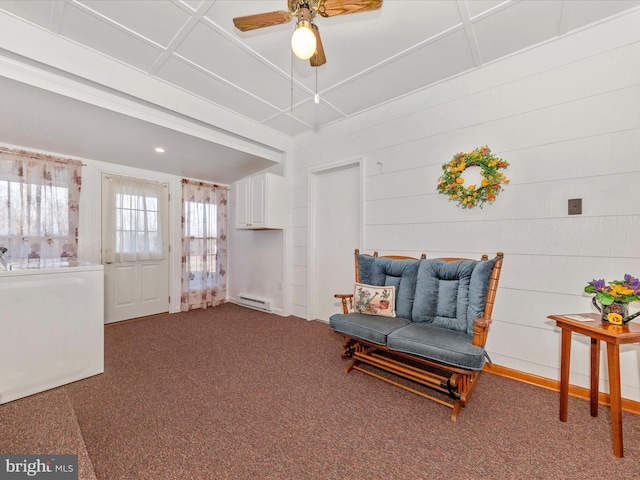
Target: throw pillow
372	300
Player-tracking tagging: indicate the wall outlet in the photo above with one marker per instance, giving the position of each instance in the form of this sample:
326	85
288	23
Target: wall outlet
575	206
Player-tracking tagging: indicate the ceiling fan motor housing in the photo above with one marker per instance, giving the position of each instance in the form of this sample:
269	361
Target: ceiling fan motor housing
304	15
296	5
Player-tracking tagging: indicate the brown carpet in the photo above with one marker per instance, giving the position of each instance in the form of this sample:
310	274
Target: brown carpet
234	393
44	424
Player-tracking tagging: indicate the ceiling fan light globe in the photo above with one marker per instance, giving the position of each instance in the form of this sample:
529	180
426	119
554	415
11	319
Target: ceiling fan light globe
303	41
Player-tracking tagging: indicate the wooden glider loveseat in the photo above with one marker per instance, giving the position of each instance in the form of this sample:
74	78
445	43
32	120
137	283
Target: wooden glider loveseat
436	334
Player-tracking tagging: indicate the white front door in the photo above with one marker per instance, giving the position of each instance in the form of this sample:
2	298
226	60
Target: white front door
134	248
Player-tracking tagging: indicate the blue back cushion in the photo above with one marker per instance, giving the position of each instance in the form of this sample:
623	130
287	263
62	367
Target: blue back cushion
452	294
478	291
386	272
365	268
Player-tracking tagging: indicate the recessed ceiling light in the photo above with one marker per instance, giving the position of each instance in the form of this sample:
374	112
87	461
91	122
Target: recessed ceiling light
159	149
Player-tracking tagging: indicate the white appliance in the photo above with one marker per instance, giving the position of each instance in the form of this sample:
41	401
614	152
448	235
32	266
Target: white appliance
51	325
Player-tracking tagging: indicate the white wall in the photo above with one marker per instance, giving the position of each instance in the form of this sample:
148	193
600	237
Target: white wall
257	257
566	116
256	262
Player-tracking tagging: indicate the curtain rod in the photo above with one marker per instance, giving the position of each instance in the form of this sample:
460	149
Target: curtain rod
199	183
112	176
39	156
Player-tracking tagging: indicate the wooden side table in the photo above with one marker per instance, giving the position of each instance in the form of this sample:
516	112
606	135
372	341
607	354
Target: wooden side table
614	336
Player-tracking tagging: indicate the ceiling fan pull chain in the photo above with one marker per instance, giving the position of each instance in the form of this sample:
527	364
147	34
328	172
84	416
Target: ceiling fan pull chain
316	97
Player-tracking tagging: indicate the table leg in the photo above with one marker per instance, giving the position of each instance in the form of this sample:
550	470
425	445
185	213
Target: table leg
565	359
595	375
613	360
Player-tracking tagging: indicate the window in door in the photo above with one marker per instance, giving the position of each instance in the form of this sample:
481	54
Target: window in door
137	225
135	230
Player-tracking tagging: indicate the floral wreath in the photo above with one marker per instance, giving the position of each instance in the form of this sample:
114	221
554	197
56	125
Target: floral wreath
451	183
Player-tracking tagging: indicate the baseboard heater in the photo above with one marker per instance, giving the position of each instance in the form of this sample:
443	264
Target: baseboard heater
254	302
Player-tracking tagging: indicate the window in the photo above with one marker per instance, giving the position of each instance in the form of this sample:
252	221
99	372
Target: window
46	211
204	245
39	205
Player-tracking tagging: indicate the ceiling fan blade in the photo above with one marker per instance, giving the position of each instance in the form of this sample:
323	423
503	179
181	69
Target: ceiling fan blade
332	8
318	59
261	20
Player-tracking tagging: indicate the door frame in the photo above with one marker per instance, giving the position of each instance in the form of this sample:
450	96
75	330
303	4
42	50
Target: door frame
170	226
312	199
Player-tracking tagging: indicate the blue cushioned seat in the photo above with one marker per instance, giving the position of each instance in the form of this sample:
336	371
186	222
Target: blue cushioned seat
372	328
440	344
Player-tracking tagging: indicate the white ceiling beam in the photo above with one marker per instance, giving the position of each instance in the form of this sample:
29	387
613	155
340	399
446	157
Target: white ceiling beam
565	17
468	30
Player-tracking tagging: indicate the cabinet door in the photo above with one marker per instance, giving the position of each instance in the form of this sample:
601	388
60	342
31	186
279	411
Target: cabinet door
258	201
243	204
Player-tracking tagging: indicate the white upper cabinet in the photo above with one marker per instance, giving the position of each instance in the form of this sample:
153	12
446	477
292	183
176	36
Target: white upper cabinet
260	202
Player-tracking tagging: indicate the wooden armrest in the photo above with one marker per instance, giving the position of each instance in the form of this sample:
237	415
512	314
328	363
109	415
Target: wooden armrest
480	331
344	297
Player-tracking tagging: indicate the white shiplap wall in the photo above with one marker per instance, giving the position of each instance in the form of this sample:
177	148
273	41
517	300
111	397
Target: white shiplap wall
566	115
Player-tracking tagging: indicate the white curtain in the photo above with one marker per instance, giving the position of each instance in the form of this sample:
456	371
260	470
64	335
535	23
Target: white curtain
133	229
204	245
39	205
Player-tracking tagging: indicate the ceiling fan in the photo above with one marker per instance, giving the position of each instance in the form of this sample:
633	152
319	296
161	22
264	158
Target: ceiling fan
306	42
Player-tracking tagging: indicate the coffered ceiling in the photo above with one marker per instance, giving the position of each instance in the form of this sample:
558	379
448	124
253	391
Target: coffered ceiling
184	58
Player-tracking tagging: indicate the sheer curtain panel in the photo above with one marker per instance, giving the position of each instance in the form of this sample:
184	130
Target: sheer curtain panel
204	245
39	205
133	228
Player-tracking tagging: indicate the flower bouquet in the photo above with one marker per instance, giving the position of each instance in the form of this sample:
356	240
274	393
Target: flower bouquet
615	298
